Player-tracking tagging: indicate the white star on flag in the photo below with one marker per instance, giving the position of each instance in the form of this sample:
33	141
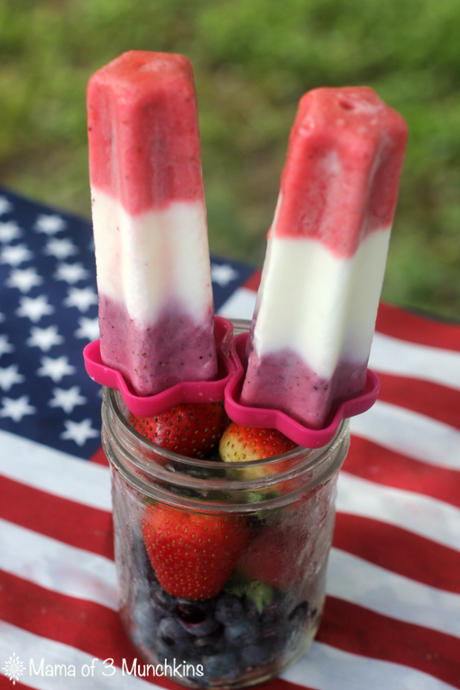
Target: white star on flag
49	224
34	307
89	328
15	255
16	409
44	338
60	248
55	368
67	399
9	231
223	274
79	432
5	205
24	279
9	376
71	273
82	298
5	346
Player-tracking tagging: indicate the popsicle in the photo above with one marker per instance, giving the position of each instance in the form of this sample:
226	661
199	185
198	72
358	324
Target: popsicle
152	257
321	281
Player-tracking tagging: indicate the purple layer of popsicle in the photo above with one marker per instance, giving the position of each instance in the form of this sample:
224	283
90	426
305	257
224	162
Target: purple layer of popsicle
283	377
176	347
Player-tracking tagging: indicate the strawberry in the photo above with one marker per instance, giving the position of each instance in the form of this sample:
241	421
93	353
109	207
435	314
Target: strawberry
193	554
270	557
191	429
244	443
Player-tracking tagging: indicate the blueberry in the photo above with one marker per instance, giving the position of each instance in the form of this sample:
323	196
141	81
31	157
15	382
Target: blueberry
172	640
276	638
209	645
223	666
229	609
251	611
313	613
242	633
145	619
197	617
170	632
273	615
158	612
256	655
275	628
164	600
299	613
297	620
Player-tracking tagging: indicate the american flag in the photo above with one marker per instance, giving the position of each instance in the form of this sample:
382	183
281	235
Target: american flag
392	613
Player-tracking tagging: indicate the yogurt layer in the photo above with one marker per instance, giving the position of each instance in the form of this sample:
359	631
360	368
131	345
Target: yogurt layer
319	305
153	258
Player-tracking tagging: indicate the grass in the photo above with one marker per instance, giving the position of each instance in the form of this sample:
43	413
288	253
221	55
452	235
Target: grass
253	60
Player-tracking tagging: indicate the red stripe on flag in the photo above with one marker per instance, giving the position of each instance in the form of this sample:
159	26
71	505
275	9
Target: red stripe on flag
281	684
253	282
402	324
383	466
360	631
59	518
430	399
399	551
100	457
6	684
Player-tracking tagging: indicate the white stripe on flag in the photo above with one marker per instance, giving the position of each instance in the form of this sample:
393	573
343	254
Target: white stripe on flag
240	305
57	566
57	473
326	668
360	582
414	512
392	356
410	433
29	647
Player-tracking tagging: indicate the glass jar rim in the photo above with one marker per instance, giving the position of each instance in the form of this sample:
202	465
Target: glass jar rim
128	452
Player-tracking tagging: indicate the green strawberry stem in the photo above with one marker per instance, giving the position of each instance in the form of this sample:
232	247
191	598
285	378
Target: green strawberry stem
260	592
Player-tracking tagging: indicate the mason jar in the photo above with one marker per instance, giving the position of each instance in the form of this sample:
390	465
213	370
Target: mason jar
270	525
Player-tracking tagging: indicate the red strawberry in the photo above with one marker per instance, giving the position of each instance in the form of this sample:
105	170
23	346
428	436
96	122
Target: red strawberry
244	443
191	429
193	555
271	557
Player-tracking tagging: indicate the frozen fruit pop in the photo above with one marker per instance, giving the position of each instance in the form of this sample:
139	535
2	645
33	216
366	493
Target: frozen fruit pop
149	217
322	277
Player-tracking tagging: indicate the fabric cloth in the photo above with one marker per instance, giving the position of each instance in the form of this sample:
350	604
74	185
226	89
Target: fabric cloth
392	613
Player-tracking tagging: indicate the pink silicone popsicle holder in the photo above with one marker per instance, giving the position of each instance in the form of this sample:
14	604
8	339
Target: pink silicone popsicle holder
232	366
275	419
186	392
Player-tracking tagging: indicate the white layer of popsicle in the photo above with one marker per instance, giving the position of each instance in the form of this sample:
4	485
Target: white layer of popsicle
333	313
148	260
